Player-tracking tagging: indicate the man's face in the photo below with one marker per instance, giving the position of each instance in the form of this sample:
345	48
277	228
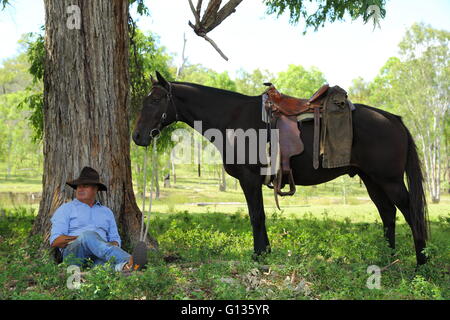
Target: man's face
86	192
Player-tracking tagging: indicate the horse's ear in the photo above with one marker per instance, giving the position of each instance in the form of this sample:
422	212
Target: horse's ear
163	82
152	80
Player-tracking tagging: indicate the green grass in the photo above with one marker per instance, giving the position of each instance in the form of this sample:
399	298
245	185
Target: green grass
313	257
321	248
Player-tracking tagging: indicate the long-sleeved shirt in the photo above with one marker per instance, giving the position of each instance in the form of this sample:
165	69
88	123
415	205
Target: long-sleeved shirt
72	218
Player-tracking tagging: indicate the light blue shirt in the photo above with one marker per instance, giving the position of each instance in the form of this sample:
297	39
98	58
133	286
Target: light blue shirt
75	217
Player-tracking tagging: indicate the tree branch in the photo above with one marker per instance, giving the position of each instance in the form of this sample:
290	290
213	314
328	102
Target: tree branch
210	13
211	41
223	13
215	47
199	7
212	17
195	12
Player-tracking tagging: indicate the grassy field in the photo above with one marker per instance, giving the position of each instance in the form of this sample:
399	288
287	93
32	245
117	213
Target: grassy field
322	245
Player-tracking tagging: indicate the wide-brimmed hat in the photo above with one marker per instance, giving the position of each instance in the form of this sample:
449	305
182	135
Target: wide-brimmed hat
88	176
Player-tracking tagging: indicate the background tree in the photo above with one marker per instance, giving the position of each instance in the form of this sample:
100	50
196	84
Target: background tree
416	86
299	82
252	83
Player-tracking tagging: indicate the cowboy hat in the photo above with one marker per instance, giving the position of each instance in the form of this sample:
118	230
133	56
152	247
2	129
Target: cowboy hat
87	176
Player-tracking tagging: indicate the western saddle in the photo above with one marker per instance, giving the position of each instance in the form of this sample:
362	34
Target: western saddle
283	111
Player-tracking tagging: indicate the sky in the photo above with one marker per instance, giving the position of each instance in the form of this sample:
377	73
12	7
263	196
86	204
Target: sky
252	39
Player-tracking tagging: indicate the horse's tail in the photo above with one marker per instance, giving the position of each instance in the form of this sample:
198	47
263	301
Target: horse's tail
417	201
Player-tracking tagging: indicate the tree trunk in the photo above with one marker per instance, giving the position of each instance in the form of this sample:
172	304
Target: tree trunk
223	184
86	102
167	176
199	158
174	175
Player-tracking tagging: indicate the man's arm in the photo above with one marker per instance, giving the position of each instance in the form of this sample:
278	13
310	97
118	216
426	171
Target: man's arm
63	241
60	227
113	234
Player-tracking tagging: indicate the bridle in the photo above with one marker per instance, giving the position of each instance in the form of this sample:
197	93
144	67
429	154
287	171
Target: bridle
169	97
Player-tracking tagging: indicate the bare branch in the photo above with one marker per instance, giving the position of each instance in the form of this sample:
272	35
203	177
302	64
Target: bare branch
204	36
389	265
195	12
215	47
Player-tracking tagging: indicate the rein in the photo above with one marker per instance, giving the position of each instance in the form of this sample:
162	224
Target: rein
143	236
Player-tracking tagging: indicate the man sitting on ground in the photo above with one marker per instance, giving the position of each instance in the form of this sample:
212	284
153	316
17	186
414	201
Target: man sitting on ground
83	228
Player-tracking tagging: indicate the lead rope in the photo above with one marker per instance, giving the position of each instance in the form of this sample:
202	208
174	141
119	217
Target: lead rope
143	236
143	201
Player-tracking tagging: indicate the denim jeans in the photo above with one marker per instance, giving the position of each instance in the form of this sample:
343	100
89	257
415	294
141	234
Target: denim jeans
89	244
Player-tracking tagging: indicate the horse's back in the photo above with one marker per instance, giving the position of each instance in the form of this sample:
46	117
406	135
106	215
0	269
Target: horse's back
379	147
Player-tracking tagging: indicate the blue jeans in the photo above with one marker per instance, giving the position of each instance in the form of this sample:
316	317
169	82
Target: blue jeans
89	244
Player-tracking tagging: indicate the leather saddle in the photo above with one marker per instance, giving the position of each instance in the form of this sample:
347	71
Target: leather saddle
283	111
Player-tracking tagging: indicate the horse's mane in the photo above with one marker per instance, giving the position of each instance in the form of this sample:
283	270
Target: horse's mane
212	90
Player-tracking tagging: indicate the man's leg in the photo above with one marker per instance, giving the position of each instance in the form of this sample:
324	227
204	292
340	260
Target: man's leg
90	245
75	254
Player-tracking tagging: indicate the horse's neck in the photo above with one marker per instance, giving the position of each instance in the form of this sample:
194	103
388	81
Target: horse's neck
215	110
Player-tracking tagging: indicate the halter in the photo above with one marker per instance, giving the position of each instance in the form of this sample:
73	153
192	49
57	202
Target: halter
170	98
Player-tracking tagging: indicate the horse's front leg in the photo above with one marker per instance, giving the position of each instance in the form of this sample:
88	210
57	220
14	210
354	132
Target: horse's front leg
252	186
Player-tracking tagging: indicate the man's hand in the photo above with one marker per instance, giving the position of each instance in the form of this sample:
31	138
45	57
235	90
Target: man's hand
114	243
63	241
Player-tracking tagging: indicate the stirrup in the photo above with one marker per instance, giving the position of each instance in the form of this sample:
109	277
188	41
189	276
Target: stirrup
277	186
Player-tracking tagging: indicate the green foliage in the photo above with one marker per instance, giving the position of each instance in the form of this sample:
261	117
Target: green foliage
317	13
415	81
207	77
16	149
34	102
13	74
34	99
299	82
252	84
36	54
4	3
141	8
146	57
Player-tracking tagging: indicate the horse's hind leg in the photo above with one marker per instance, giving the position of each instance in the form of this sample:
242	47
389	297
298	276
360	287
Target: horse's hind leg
385	207
397	192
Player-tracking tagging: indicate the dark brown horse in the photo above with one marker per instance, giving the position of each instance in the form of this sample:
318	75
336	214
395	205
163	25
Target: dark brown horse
383	151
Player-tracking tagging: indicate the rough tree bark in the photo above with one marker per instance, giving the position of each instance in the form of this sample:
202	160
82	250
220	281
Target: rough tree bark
86	103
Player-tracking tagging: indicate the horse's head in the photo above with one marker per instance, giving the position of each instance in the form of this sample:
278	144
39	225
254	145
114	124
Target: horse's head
157	112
